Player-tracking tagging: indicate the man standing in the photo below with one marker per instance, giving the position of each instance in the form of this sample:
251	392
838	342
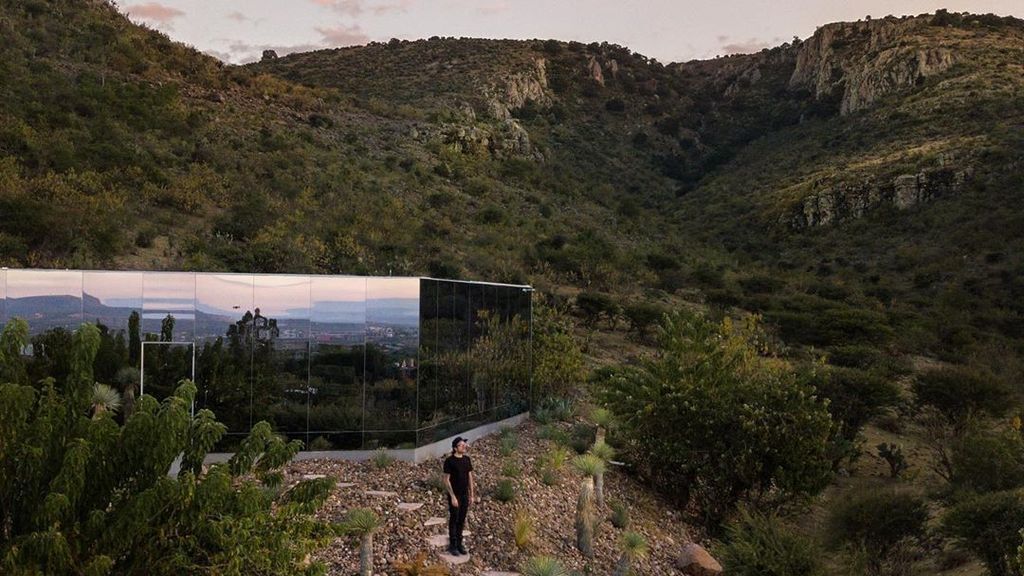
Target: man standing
458	479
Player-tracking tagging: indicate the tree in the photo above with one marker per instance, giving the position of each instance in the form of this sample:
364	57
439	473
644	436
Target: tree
557	357
989	526
960	392
363	523
86	495
710	417
134	338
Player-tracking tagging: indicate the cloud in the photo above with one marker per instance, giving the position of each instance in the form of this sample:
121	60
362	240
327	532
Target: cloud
154	12
238	16
356	8
342	36
493	7
748	46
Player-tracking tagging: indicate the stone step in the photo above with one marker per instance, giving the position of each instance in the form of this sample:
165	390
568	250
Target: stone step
410	506
493	573
344	484
460	559
438	540
381	493
435	522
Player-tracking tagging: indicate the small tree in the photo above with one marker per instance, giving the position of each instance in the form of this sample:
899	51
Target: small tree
543	566
989	526
634	547
877	521
362	523
959	392
605	453
893	455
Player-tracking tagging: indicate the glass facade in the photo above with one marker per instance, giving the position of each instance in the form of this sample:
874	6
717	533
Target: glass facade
339	362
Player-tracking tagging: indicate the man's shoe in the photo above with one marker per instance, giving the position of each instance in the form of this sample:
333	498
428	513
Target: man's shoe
453	551
461	549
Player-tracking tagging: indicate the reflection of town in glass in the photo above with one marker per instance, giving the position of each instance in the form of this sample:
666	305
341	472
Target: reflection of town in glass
339	362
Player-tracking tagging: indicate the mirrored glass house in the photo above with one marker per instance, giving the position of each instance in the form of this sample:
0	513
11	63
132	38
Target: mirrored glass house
339	362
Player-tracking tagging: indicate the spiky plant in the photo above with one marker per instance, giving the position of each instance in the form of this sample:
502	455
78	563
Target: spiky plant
362	523
605	453
602	418
105	399
585	518
634	547
523	530
591	465
543	566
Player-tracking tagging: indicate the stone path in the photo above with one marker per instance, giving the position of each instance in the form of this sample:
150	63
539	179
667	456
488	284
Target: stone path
382	493
410	506
493	573
460	559
435	521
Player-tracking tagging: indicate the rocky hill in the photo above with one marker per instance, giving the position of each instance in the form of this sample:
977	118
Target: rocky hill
871	171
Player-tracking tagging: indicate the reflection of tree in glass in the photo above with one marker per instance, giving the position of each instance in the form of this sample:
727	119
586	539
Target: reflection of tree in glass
500	360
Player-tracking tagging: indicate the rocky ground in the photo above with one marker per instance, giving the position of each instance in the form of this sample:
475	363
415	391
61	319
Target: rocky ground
490	539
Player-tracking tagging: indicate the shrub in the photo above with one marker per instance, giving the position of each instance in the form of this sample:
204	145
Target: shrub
620	515
877	521
709	378
548	477
505	491
989	526
634	547
761	545
382	458
893	456
960	391
558	367
982	461
507	445
582	437
510	470
855	397
91	496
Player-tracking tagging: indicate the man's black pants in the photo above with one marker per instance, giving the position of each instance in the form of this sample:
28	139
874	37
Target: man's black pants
457	519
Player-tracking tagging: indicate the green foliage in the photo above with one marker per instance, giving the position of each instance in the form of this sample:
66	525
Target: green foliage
603	451
595	306
588	465
762	545
582	437
877	521
507	445
893	456
643	316
105	399
511	469
960	392
989	526
543	566
557	357
89	495
382	458
710	417
634	546
360	522
505	490
522	530
620	515
987	461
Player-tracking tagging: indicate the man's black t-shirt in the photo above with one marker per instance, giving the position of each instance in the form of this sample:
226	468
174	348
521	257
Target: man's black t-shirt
458	468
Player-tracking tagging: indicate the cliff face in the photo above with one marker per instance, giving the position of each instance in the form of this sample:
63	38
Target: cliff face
860	62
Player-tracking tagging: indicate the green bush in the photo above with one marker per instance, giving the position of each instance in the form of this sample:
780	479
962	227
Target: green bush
877	522
81	495
710	418
961	391
983	461
855	397
505	490
761	545
620	515
989	526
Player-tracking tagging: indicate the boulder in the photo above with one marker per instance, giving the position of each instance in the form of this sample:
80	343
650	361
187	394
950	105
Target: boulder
696	561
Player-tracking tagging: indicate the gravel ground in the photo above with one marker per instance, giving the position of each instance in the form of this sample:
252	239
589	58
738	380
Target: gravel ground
491	543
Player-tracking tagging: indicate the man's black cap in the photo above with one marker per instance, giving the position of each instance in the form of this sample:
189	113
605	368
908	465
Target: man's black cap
457	440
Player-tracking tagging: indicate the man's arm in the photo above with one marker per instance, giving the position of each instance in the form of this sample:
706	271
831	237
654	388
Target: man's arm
472	487
451	493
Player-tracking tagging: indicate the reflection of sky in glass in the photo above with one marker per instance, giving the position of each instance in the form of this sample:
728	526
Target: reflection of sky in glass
168	291
393	301
283	297
115	289
338	300
29	283
224	294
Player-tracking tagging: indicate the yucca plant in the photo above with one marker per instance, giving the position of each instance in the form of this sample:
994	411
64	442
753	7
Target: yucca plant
382	458
543	566
522	531
634	547
602	418
591	465
605	453
620	515
105	399
362	523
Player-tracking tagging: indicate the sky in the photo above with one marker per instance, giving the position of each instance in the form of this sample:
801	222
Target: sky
237	31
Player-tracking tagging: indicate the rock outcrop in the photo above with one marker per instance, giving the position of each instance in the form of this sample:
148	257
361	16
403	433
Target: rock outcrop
844	202
518	88
860	62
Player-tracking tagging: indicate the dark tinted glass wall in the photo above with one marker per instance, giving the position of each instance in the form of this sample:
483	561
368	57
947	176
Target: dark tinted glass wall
338	362
474	355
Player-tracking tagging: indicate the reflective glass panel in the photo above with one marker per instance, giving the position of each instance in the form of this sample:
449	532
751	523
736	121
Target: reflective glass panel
281	353
224	331
427	387
3	298
168	306
47	299
113	300
338	330
392	358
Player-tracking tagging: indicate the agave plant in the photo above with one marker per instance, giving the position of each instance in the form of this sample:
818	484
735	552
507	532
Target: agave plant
105	399
634	547
543	566
362	523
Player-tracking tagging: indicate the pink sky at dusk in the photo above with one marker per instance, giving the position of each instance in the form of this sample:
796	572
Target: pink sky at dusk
238	31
